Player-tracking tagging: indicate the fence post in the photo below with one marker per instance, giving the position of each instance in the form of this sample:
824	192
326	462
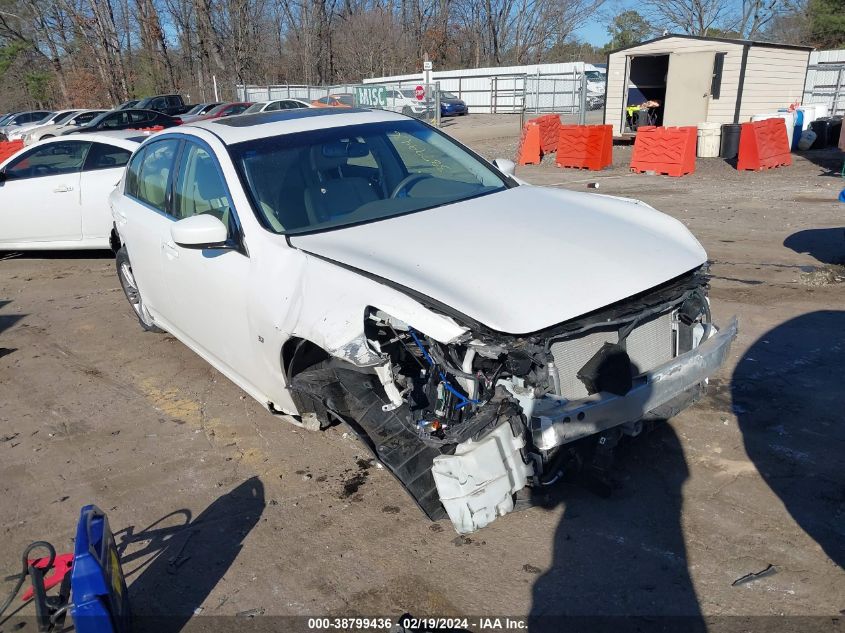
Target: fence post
836	94
582	114
537	92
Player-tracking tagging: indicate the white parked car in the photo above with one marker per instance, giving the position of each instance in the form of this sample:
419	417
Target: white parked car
12	123
57	129
54	195
364	267
279	104
56	118
406	102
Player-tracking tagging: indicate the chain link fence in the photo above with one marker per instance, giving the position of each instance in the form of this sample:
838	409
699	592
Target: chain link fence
421	101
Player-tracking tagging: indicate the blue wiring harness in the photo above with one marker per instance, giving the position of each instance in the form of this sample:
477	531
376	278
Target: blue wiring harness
463	400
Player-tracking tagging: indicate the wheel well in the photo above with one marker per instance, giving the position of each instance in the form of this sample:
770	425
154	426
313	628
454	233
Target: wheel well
114	240
299	354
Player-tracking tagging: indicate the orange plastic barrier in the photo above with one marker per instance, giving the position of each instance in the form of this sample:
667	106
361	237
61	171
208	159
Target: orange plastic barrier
585	146
156	128
763	145
665	150
7	148
549	132
529	152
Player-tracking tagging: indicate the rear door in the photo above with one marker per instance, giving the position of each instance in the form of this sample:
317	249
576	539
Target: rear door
39	198
688	88
100	174
143	218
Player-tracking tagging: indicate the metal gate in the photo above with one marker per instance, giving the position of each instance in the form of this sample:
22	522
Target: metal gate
826	85
421	101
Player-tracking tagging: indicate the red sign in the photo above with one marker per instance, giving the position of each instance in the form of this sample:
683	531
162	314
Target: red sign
419	93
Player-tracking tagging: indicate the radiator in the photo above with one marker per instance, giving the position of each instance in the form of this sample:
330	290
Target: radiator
648	345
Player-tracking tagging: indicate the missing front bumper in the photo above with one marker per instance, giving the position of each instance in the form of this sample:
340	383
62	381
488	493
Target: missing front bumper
556	421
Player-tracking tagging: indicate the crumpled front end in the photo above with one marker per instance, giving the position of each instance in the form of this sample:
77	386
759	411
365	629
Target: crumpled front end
466	424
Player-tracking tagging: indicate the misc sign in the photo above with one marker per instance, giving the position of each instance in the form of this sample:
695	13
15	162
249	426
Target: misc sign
419	93
371	96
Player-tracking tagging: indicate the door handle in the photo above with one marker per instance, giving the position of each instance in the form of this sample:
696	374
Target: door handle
62	189
170	250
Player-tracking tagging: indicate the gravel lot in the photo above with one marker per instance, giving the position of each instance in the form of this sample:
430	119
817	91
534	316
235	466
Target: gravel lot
290	522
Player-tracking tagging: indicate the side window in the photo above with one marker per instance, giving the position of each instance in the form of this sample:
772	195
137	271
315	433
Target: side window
154	176
132	172
52	159
173	101
115	120
85	118
200	187
161	102
275	105
141	117
102	156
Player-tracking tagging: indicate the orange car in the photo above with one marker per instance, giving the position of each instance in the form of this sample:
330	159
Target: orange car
334	101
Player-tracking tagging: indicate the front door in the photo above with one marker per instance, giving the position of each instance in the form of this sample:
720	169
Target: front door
208	289
39	196
688	88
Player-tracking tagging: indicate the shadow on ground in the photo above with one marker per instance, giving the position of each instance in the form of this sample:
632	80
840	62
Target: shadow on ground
788	393
189	557
825	245
72	254
829	160
620	563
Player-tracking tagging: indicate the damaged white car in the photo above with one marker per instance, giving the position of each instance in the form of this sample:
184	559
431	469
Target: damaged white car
358	266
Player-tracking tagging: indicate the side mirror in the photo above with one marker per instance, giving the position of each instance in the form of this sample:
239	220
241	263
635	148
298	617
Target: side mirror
505	166
200	231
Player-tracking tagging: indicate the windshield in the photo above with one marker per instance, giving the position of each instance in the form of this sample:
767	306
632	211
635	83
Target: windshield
255	107
594	75
330	178
67	116
448	95
195	110
7	118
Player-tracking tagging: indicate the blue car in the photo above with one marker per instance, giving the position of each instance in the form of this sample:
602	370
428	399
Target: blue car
450	105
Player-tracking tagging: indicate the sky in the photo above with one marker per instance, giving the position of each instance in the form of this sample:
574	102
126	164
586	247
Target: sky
595	30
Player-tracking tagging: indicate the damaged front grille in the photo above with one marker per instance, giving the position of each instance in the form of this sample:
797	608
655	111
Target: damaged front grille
649	345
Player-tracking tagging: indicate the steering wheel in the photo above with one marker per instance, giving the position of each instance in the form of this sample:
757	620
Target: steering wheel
406	182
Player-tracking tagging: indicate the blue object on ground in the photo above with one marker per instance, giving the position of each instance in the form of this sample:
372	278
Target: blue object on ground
100	600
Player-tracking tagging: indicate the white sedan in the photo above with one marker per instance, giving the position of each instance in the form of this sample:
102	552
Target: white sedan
279	104
360	266
54	195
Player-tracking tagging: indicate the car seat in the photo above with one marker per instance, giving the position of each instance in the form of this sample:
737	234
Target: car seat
335	193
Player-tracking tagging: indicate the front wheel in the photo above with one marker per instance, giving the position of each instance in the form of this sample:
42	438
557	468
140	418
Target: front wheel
130	289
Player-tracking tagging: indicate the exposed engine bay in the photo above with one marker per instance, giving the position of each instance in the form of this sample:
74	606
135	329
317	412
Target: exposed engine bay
466	425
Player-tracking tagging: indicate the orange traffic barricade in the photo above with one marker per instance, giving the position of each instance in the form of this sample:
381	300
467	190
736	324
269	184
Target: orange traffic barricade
585	146
763	145
529	152
665	150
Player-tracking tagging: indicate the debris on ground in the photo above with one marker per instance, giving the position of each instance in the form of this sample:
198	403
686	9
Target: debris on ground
754	575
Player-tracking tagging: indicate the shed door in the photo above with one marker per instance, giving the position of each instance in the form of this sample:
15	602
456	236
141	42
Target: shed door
688	88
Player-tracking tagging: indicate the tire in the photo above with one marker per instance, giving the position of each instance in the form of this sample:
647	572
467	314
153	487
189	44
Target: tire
130	289
406	110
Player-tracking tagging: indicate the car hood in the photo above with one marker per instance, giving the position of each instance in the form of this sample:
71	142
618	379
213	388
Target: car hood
451	101
523	259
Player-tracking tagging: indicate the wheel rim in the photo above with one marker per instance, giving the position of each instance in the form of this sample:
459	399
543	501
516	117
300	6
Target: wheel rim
130	289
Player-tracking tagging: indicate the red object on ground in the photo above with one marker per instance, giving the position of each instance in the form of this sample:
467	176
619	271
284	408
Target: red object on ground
549	132
529	152
585	146
665	150
763	145
8	148
60	569
155	128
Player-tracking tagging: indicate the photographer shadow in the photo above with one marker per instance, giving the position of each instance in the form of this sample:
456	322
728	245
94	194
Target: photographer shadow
188	557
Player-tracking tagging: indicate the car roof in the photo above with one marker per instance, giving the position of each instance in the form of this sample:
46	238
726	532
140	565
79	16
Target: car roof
129	142
247	127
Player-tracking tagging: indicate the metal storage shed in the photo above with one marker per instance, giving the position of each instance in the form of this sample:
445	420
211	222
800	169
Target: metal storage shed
702	79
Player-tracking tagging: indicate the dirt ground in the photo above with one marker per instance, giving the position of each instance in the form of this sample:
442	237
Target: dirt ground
263	517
